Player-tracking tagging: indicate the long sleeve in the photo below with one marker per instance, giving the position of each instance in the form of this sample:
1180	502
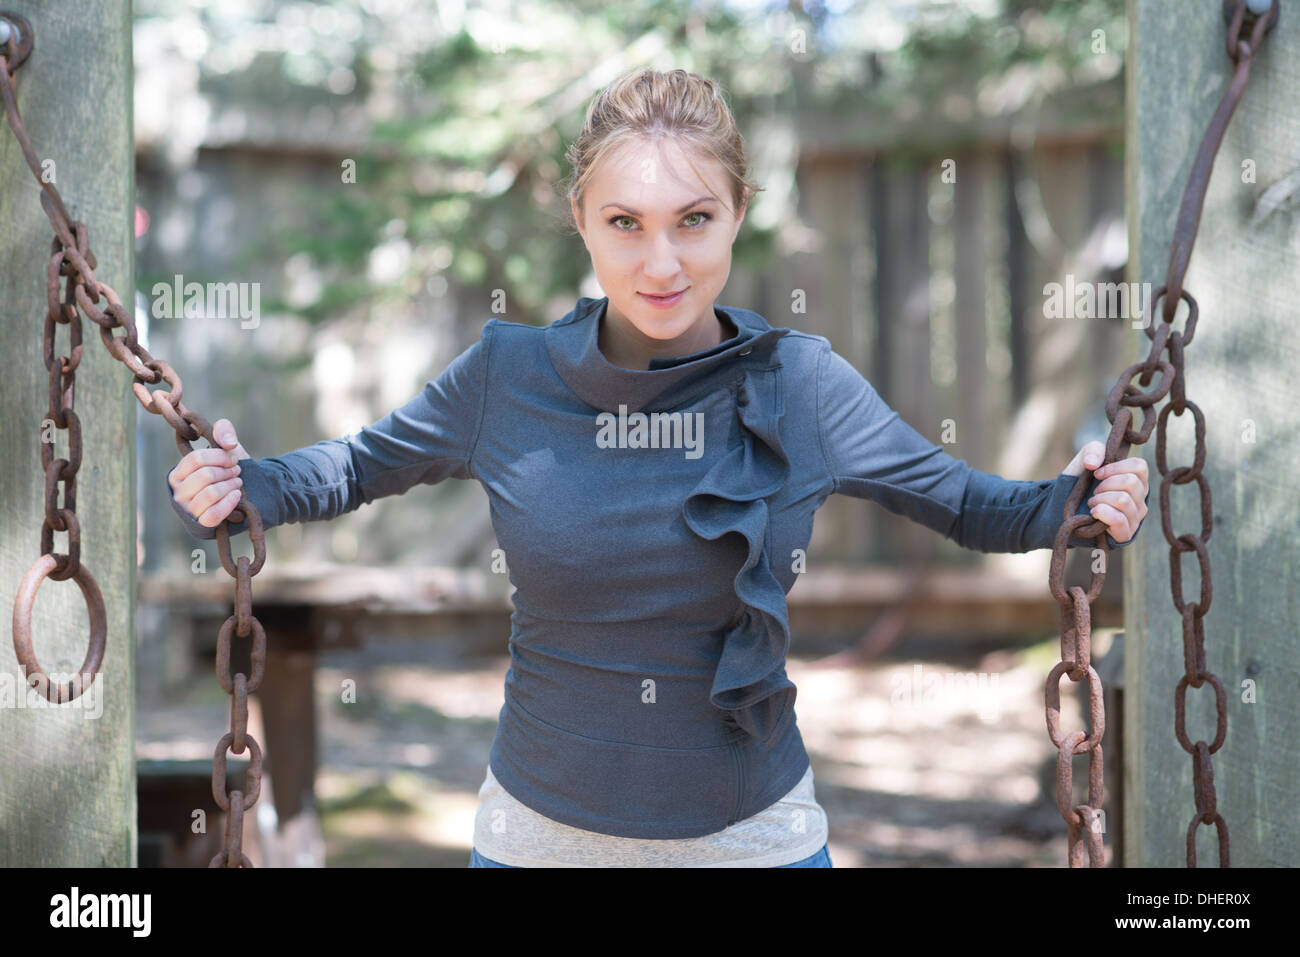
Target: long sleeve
427	440
872	453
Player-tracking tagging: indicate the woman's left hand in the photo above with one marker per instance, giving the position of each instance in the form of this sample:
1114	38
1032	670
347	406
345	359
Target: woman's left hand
1119	500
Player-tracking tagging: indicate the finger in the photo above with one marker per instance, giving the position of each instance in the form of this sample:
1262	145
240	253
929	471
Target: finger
1137	466
1123	501
223	505
216	514
1122	482
1089	456
224	432
1132	506
1093	453
207	487
205	476
1115	520
213	492
199	458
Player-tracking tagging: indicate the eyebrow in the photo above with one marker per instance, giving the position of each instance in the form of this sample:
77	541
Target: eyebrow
694	202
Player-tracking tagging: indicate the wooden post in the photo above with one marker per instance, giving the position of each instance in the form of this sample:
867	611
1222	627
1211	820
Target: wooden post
1241	371
67	774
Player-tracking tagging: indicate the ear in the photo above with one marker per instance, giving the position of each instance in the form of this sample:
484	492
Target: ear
577	218
740	214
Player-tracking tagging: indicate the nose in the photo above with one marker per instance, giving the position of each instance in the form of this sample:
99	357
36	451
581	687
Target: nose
662	261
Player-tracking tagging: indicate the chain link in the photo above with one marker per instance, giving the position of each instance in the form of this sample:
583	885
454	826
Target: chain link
72	260
1075	608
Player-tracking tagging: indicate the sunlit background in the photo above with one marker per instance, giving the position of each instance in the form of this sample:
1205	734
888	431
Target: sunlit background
388	174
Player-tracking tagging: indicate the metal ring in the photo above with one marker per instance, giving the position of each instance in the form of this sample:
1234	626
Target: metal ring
22	622
19	53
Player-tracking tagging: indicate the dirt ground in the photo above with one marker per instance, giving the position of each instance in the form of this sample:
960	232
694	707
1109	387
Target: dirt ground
936	755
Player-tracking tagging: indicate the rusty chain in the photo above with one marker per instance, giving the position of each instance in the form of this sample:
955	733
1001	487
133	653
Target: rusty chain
71	258
1082	820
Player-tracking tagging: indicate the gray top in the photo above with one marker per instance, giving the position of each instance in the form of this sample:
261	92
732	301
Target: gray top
649	520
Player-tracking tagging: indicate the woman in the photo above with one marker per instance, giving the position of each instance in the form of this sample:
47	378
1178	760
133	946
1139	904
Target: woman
653	462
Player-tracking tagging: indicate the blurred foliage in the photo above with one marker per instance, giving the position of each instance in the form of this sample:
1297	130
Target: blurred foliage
1057	43
472	108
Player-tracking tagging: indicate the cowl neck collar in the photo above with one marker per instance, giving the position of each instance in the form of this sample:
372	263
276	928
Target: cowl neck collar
572	343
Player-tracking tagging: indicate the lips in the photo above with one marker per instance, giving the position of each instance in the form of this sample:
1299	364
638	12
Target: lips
665	300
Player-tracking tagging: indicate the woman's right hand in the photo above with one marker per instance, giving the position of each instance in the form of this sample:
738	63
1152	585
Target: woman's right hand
206	482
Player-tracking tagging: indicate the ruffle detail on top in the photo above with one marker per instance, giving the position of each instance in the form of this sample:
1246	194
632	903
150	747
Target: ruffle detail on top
750	684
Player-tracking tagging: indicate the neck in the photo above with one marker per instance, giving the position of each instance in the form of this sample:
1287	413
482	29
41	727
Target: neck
620	352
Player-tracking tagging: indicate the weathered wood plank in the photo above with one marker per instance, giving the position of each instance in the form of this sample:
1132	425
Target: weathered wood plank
1241	370
969	304
841	309
67	774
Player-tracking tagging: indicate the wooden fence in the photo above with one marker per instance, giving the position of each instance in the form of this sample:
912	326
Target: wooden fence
934	290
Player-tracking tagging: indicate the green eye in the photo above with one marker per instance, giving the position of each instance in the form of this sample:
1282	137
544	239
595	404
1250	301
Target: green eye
615	220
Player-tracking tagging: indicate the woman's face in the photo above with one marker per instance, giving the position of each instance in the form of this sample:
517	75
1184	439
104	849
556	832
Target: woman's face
651	226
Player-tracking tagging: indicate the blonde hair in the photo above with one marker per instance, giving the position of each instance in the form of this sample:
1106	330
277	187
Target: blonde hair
647	103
